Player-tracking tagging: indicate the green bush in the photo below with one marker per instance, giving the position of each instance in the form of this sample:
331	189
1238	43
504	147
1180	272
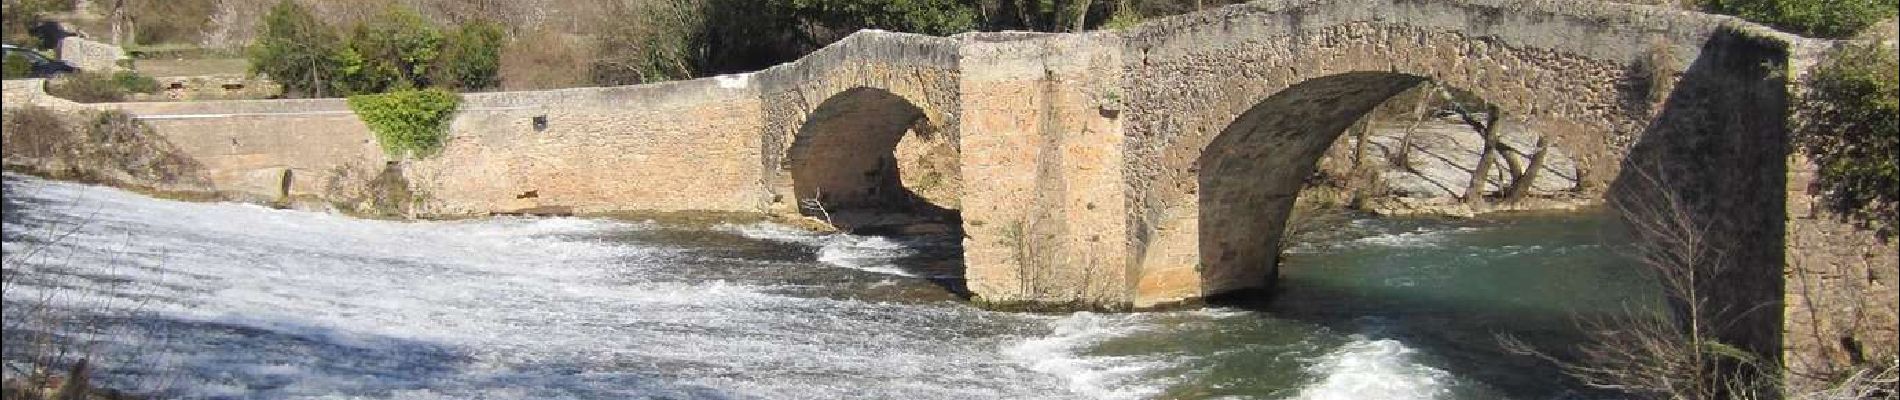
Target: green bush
471	56
1818	18
15	67
408	122
134	83
393	51
297	51
1849	126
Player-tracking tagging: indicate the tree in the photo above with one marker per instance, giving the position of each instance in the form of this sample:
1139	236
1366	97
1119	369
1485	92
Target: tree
393	51
661	41
1474	193
297	51
471	56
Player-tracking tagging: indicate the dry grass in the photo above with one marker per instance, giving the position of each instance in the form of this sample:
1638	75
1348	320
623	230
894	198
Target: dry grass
544	59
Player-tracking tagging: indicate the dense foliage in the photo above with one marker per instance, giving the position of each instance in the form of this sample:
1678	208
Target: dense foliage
395	50
471	56
408	122
1852	128
392	51
15	66
1818	18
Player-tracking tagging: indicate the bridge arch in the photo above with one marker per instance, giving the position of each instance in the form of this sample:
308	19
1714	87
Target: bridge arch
1253	171
1233	124
867	158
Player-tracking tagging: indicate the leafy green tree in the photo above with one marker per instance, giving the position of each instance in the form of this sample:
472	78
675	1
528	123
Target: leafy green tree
393	51
298	51
471	56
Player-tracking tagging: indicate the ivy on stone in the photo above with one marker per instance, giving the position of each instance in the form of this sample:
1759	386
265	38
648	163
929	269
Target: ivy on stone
408	122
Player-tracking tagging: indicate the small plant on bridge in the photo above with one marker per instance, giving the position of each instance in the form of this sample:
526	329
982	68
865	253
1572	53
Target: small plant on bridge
408	122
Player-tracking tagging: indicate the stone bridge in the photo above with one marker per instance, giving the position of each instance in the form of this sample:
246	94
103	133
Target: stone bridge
1127	169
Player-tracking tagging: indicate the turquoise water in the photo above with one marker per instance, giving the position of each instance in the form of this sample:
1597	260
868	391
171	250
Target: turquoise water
1413	308
193	300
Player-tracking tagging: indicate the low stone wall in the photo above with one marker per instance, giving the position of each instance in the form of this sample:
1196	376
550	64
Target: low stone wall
691	145
679	146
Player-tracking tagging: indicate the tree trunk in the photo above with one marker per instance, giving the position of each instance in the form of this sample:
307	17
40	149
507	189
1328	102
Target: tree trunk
1522	184
1513	165
1359	179
1404	159
1474	193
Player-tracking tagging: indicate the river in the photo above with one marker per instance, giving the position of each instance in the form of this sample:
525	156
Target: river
220	300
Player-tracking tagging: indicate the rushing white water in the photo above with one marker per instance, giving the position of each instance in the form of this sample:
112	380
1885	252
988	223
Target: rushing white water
194	300
1374	369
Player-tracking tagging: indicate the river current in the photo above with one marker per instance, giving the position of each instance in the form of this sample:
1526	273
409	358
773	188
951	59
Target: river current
219	300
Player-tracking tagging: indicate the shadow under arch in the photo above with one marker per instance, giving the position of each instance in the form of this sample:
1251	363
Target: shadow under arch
846	170
1253	171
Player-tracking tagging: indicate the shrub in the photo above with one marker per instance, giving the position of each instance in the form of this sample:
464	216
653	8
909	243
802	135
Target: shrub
15	67
87	87
408	122
33	132
393	51
1848	126
134	83
297	50
471	56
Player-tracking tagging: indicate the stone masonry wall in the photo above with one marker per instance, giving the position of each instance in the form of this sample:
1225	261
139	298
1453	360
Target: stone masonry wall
1041	139
1553	68
678	146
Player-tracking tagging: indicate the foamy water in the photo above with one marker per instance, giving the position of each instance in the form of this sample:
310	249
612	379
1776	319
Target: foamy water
1374	369
194	300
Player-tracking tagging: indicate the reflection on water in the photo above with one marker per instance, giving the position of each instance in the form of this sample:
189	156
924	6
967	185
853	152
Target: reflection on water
224	300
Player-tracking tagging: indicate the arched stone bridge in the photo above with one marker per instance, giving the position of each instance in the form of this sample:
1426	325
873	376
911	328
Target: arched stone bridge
1117	169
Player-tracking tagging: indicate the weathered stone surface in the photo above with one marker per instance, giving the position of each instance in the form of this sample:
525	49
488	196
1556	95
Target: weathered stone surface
89	55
